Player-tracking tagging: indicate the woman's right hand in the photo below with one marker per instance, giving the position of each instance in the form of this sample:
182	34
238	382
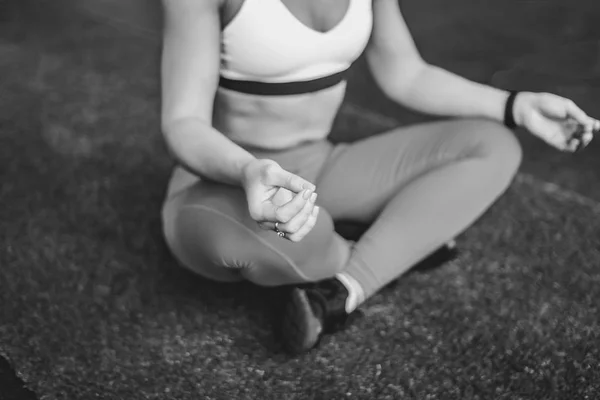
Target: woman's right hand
275	195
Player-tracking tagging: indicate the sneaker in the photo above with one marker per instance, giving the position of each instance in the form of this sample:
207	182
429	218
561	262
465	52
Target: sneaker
312	310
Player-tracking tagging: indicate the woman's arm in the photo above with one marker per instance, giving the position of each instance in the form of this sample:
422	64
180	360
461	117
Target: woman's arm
407	79
189	76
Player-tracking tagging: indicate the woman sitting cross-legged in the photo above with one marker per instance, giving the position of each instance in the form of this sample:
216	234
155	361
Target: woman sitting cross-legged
250	89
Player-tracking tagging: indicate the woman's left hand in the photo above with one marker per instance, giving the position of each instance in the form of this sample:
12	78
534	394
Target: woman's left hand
554	119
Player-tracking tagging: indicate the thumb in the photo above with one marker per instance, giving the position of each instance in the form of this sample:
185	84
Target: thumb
285	179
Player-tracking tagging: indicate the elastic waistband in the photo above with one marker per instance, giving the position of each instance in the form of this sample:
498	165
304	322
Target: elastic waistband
283	88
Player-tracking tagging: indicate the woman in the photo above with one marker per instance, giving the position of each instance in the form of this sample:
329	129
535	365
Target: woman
250	90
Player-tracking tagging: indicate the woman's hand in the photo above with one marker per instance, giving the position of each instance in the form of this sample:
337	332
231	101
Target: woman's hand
554	119
275	195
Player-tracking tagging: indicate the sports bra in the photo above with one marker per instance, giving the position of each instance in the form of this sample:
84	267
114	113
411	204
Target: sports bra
266	50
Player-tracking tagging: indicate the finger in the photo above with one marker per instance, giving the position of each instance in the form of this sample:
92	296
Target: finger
587	138
578	114
588	124
285	179
581	142
580	137
294	224
566	136
266	225
286	212
282	196
559	107
307	227
577	140
573	145
595	126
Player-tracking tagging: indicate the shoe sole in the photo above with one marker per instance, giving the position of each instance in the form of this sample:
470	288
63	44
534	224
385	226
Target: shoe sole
301	328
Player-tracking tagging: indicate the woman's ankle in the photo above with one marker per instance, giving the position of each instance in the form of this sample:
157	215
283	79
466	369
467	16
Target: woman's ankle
356	294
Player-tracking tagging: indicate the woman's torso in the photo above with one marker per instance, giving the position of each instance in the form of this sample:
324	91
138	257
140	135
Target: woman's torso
278	41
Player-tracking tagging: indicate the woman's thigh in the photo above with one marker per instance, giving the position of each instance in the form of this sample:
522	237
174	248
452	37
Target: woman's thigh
210	231
361	177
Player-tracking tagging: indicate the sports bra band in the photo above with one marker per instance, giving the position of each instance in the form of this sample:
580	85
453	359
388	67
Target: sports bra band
283	88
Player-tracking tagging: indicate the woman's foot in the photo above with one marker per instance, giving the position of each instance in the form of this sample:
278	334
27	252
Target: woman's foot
312	310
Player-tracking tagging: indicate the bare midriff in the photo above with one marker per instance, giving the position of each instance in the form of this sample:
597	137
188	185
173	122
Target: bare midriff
276	122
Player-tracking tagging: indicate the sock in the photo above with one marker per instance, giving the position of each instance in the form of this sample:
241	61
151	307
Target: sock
356	294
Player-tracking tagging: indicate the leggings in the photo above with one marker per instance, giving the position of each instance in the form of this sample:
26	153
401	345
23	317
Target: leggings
415	187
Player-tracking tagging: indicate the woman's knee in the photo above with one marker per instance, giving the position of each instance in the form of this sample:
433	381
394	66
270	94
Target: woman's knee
499	146
215	226
276	261
199	237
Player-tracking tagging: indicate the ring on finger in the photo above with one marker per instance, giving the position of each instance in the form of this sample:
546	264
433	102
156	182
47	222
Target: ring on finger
280	233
